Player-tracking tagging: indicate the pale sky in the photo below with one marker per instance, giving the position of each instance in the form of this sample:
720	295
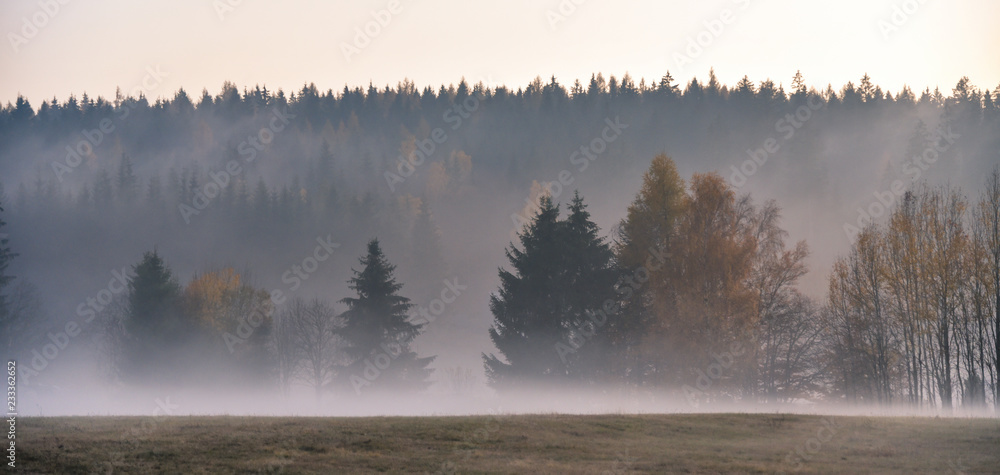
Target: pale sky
95	46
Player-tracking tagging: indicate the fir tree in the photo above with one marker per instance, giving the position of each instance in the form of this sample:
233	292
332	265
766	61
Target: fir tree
526	310
154	323
6	255
549	308
128	183
377	331
590	281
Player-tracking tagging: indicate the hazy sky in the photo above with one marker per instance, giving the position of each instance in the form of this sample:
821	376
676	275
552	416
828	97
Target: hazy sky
94	46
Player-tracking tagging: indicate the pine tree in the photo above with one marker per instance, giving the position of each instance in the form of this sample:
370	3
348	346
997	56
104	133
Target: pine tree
527	322
103	192
549	311
377	331
154	193
128	183
261	201
798	83
154	323
591	284
6	255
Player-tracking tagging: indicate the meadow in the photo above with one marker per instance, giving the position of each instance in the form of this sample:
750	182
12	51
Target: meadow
597	444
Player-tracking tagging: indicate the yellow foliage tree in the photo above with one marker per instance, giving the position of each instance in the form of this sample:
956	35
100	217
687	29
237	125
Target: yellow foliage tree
459	167
714	252
437	180
206	296
219	300
697	302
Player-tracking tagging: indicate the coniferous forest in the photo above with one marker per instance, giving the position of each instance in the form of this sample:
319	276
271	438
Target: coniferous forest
769	240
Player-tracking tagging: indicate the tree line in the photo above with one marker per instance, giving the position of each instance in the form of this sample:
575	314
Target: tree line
912	307
220	329
352	140
697	291
326	169
695	280
326	172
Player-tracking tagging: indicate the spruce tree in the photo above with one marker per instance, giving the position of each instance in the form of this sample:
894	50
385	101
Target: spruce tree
6	255
593	305
528	310
128	183
103	192
549	311
154	323
377	332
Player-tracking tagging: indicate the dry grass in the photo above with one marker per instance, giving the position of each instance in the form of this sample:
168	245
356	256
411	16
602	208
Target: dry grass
705	443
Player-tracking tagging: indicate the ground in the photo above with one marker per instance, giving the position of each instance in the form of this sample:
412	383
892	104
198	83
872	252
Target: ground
600	444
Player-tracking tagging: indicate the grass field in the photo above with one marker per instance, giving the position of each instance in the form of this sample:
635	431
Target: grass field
694	443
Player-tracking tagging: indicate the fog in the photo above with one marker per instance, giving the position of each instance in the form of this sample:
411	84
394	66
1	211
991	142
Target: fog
333	165
88	400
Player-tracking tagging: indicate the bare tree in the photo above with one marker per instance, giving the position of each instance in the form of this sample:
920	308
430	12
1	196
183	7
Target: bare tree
944	209
286	351
775	272
314	329
111	337
845	350
906	303
905	300
864	341
988	219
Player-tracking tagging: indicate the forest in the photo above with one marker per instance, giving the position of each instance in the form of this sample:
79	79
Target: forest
610	234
